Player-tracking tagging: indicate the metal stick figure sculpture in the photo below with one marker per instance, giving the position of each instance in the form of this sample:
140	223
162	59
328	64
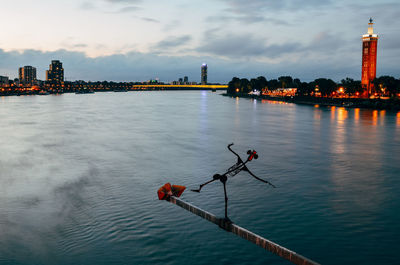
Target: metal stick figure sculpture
232	171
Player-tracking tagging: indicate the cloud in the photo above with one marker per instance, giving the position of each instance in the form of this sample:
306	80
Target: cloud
227	55
118	67
149	19
80	45
124	1
256	47
172	42
124	6
248	18
243	45
128	9
263	11
240	6
87	6
173	24
326	42
72	45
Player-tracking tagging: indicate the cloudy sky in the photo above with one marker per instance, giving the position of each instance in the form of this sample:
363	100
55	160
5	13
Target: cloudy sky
137	40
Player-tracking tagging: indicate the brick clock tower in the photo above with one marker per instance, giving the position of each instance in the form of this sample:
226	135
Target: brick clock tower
368	69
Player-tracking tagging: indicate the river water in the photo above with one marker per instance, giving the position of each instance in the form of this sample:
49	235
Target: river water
79	176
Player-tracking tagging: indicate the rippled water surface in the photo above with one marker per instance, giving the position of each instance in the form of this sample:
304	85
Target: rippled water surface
79	175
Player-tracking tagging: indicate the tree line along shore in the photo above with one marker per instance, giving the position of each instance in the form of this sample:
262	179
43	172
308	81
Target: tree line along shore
384	94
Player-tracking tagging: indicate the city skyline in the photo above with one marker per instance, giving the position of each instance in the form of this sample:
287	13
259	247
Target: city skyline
130	40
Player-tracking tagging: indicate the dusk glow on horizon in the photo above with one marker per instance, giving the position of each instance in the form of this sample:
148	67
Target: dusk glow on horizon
126	40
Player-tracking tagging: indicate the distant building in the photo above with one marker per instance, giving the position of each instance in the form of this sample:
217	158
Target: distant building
180	81
152	81
186	80
369	54
4	80
27	75
204	74
55	74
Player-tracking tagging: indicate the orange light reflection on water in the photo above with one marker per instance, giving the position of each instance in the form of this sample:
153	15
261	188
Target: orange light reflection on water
357	114
375	117
267	101
333	112
382	114
317	115
342	114
398	119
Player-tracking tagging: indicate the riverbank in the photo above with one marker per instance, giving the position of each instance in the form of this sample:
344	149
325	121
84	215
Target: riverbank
387	104
85	91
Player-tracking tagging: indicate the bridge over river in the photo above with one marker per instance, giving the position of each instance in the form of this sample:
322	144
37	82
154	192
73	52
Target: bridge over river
179	87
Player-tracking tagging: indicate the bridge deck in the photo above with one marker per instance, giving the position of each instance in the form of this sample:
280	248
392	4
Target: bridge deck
181	86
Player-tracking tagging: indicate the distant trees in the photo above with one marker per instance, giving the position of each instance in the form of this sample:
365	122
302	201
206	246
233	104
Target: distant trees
351	86
383	85
325	86
305	89
260	83
233	85
243	85
387	85
273	84
237	85
285	81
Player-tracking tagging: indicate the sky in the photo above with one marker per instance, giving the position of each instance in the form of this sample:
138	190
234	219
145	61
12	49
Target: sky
138	40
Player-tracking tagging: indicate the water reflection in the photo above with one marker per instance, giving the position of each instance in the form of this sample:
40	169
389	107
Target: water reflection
254	103
237	114
267	101
356	185
336	184
333	113
339	144
317	115
317	136
382	115
356	115
398	119
204	102
371	117
375	117
342	115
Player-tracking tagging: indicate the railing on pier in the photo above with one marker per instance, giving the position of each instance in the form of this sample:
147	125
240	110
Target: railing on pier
244	233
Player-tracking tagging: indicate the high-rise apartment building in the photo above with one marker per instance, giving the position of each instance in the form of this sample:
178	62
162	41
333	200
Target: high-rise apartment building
369	55
55	74
204	74
4	80
27	75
